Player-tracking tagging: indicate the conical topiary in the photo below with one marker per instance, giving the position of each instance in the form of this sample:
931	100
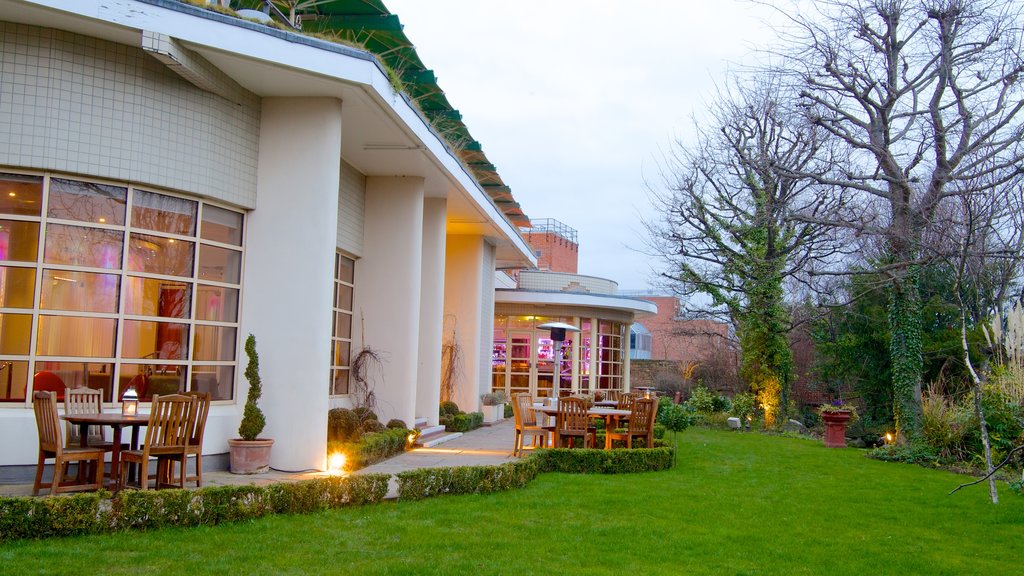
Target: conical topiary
253	420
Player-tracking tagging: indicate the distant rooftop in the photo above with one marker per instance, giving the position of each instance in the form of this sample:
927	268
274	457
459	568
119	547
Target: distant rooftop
550	226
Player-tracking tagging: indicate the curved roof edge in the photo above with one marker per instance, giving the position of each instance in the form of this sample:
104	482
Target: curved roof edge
639	308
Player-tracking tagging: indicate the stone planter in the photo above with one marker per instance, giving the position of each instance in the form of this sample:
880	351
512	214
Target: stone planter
835	428
494	413
250	456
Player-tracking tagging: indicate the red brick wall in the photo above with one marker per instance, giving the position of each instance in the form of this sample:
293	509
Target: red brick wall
556	253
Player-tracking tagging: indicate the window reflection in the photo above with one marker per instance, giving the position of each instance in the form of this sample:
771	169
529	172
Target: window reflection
152	297
79	291
221	225
220	264
20	194
79	246
86	201
159	255
214	343
216	303
163	213
154	340
218	381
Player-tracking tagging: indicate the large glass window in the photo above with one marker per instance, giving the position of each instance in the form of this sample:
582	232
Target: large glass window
341	334
131	287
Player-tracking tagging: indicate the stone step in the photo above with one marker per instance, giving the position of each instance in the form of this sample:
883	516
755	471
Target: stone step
420	422
431	440
427	430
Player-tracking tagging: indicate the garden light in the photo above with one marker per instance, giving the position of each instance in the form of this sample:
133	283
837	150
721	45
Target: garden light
130	402
336	463
888	437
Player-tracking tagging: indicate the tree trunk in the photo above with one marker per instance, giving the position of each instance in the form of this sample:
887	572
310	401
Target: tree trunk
905	350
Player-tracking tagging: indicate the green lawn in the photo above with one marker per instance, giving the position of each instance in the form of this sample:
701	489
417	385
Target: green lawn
737	503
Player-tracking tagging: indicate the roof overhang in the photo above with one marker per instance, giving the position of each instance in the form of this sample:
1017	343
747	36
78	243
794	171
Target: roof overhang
384	134
639	308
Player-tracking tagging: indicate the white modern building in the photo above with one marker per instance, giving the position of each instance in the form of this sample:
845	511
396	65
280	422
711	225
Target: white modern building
173	179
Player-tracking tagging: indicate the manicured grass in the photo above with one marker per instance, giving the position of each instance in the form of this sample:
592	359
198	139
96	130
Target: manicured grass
737	503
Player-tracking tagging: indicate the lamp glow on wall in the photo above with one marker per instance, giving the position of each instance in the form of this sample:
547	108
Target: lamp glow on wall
557	330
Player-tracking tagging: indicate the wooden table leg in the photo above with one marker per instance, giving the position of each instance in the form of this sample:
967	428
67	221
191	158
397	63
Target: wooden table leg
115	458
607	432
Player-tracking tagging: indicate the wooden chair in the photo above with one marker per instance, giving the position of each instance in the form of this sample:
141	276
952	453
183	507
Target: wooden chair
624	402
85	401
51	445
200	410
526	423
641	423
573	422
167	436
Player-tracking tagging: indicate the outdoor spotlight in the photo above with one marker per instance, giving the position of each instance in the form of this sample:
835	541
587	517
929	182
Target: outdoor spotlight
336	463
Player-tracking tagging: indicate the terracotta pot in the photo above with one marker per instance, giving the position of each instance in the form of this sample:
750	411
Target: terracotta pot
835	428
250	456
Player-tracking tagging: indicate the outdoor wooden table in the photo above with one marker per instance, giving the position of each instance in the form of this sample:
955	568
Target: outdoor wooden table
116	421
594	412
607	403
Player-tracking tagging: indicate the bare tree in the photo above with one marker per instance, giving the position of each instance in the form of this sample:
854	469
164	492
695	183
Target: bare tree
727	228
925	96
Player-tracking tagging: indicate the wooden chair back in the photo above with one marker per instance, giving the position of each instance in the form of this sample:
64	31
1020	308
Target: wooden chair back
200	410
46	381
169	427
641	417
44	403
522	409
625	401
572	416
612	395
83	401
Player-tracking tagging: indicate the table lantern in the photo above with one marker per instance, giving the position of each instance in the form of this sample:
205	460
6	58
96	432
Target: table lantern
130	402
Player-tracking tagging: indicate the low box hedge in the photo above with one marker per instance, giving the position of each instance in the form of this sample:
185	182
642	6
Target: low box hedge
30	517
462	421
594	461
427	482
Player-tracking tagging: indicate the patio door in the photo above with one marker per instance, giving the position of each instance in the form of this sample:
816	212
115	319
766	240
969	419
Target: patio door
520	362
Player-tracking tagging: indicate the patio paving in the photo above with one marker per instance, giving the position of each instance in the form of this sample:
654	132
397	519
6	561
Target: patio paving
481	447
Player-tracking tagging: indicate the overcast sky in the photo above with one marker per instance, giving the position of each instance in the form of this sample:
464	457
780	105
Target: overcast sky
574	101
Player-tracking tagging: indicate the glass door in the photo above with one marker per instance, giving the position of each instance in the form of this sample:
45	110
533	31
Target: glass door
545	372
520	362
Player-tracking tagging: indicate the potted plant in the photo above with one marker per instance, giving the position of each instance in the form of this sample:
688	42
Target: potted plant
494	406
250	454
837	415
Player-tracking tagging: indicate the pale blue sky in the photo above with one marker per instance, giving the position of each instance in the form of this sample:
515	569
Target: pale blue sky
574	100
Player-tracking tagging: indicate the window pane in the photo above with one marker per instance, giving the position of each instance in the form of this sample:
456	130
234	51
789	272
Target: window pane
159	255
79	291
20	194
339	385
345	269
150	297
78	246
17	287
86	201
220	264
162	213
344	297
50	375
149	380
342	325
222	225
15	331
214	343
19	241
13	380
216	303
154	340
218	381
74	336
341	353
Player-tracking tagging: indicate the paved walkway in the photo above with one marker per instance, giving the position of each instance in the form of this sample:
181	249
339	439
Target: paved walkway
483	446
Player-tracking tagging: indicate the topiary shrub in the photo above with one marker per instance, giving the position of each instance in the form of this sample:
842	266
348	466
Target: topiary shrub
396	423
253	420
371	426
342	425
449	408
364	413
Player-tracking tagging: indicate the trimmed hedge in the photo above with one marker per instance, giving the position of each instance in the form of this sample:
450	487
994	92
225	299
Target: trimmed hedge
371	447
427	482
593	461
29	517
462	422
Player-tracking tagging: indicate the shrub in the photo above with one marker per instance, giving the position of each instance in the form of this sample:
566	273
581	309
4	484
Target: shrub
702	400
73	515
494	398
371	427
342	425
659	431
508	411
364	413
917	453
743	405
721	404
1003	417
253	419
427	482
377	446
449	408
397	423
462	422
946	425
593	461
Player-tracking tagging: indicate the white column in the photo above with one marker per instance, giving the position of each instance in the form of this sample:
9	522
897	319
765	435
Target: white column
289	270
428	381
389	279
625	361
469	307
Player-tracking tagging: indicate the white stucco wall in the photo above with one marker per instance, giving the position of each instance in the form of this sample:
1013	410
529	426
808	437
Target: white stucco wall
428	384
469	308
387	317
289	273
